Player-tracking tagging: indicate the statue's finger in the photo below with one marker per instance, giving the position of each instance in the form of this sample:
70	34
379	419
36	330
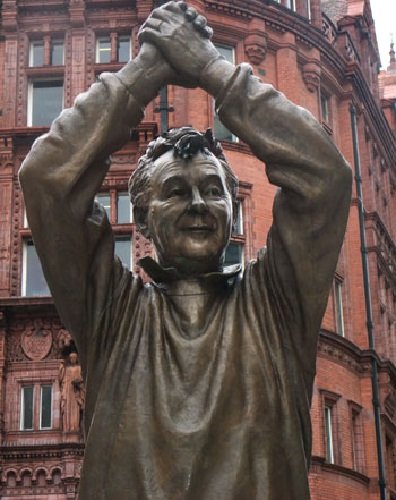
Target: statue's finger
200	21
183	6
148	35
208	32
153	22
191	14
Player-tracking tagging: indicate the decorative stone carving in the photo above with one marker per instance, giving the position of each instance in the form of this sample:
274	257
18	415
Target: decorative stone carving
72	393
390	403
311	75
256	47
328	29
36	341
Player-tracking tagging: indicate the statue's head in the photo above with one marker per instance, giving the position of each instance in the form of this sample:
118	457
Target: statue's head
73	357
183	192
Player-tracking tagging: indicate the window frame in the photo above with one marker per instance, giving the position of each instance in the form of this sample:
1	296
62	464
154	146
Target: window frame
338	298
98	51
41	427
22	406
31	82
121	230
32	43
216	119
25	243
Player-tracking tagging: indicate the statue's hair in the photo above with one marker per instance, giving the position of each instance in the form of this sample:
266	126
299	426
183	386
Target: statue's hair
185	143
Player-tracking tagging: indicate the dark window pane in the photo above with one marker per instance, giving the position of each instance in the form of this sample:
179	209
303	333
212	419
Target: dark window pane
36	54
103	50
57	53
46	407
47	102
27	408
123	208
123	250
124	48
104	200
35	283
233	254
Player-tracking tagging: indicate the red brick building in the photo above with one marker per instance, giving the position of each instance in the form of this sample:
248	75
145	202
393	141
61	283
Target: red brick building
323	55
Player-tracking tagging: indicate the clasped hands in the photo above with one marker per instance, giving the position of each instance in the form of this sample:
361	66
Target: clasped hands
182	38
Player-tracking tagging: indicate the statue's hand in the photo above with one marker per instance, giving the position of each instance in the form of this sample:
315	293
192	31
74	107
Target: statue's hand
183	38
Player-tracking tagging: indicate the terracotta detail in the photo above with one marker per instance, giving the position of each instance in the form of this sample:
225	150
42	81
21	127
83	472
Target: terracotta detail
72	393
36	341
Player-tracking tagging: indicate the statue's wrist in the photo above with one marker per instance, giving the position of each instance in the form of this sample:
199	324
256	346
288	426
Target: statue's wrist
215	75
143	78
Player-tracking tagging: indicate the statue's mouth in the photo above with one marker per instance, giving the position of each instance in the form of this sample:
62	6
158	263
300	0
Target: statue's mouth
198	228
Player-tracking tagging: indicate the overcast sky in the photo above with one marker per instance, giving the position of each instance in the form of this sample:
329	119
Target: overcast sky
384	14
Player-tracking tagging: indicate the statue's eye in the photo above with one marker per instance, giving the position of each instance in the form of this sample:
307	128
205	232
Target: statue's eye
213	191
175	192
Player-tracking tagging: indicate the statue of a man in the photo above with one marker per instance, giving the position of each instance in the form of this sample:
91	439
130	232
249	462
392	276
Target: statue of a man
199	383
72	393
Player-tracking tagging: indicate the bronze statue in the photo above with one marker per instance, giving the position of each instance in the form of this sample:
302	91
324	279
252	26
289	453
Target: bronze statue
198	384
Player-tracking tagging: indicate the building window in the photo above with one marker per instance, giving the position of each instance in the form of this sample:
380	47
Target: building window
237	228
103	49
390	462
46	407
329	437
45	102
124	209
46	52
36	53
36	407
119	211
27	393
113	48
325	107
290	4
220	131
104	200
357	438
33	281
124	48
57	53
339	308
233	254
123	249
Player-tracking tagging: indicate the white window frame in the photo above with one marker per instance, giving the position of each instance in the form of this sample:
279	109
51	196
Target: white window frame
339	307
41	405
234	138
59	41
240	218
328	416
98	50
31	56
30	96
130	47
24	271
118	193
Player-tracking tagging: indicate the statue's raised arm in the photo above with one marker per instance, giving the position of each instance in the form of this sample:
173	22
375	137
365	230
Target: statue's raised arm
60	177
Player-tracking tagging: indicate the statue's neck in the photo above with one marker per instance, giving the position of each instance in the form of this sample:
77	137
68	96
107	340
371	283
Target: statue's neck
193	300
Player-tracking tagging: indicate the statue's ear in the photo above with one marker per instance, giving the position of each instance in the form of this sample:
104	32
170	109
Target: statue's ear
140	217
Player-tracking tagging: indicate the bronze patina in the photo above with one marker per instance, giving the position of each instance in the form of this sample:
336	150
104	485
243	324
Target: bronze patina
198	385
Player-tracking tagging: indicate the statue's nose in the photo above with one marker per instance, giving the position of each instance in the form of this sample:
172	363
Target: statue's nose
197	202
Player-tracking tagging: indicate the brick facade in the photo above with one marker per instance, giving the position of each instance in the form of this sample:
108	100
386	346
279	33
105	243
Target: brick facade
323	57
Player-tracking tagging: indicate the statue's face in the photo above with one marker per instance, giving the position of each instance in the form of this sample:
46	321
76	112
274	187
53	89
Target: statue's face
190	213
